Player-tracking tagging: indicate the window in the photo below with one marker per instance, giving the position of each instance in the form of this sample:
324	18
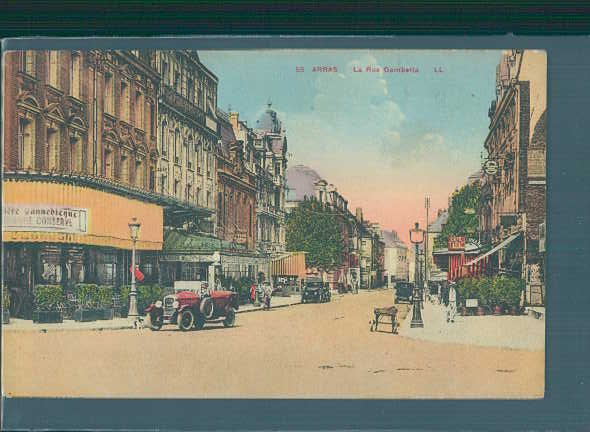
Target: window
208	164
177	81
75	154
191	271
189	153
53	78
28	65
53	139
26	139
152	179
176	146
165	71
190	90
176	183
277	168
188	192
108	164
164	138
107	273
198	195
208	198
108	93
150	126
164	183
124	168
185	150
139	174
219	207
125	100
199	157
139	110
75	76
200	96
250	221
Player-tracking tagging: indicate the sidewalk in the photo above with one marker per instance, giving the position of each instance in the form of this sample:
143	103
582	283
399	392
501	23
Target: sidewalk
505	331
17	324
275	302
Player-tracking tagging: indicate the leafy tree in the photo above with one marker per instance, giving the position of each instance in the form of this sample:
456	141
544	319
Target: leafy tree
313	229
459	222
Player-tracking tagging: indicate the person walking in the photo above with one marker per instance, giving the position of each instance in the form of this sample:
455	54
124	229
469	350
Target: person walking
267	296
253	293
452	308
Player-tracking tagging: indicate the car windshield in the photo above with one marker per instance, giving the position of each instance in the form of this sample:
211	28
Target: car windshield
313	283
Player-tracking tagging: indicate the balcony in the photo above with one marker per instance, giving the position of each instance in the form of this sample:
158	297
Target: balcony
170	97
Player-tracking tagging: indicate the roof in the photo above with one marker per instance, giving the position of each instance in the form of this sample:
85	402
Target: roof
391	239
227	135
436	226
300	182
269	121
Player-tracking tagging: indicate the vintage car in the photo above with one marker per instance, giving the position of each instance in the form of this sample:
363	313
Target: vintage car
190	309
403	292
314	289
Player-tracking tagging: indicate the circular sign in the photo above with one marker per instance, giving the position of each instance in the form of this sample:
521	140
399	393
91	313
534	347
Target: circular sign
490	167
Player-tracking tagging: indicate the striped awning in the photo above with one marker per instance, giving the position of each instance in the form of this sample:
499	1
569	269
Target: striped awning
495	249
290	264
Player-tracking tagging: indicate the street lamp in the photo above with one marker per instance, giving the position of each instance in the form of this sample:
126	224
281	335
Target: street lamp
134	231
416	237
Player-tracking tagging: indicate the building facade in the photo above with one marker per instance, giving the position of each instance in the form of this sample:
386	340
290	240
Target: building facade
270	144
79	143
187	137
395	259
513	202
435	273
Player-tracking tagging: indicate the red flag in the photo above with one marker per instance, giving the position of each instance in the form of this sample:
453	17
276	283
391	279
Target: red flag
138	274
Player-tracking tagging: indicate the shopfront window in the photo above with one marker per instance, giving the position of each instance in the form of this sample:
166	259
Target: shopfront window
191	271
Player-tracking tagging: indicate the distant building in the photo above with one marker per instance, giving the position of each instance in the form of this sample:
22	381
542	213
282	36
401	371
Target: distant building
395	259
435	273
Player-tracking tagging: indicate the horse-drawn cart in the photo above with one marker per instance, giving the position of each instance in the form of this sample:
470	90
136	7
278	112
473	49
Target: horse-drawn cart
390	312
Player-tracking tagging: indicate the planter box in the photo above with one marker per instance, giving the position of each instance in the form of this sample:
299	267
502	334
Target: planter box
47	317
86	315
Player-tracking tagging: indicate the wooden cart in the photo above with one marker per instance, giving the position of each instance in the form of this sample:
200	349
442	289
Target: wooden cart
390	312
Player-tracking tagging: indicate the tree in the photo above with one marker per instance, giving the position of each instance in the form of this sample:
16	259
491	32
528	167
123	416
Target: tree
313	229
460	222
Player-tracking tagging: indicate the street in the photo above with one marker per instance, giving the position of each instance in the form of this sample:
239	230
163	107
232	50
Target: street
302	351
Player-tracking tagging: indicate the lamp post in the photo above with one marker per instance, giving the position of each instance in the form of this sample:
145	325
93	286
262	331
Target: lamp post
134	231
416	237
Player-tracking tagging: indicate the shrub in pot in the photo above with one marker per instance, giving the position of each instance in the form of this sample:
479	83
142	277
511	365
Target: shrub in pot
48	304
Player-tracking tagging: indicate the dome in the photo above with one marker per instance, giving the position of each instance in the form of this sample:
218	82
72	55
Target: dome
300	182
269	121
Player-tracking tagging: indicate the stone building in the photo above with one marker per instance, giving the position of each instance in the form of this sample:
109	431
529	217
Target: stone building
514	198
395	259
270	144
187	137
79	145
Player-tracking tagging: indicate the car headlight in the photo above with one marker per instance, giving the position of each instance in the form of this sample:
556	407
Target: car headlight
159	304
175	304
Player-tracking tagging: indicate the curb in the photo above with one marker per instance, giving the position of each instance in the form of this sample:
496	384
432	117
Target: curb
58	329
259	308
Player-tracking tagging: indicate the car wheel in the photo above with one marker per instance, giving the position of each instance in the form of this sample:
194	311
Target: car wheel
207	307
200	322
154	321
230	318
186	320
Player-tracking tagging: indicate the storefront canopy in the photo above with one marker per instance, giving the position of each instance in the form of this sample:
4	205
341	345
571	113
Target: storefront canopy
290	264
494	249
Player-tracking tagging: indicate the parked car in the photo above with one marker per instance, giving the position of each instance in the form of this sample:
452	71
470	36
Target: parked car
314	289
190	309
403	292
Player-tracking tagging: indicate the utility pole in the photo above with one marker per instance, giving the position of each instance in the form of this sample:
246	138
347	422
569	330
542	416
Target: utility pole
426	275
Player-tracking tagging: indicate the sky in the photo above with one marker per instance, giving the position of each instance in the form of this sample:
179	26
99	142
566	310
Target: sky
384	139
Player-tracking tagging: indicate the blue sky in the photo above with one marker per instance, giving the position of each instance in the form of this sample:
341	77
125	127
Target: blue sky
385	140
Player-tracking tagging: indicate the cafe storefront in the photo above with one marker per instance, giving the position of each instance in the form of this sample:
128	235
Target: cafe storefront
56	231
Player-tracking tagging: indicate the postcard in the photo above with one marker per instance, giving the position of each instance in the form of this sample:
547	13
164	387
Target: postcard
283	223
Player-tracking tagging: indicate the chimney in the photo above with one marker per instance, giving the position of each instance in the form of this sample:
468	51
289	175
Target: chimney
359	214
233	120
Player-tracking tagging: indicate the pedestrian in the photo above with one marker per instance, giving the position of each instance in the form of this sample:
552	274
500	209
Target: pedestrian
253	293
438	295
452	308
267	296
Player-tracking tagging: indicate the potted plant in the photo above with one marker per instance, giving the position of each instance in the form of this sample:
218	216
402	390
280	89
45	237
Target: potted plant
87	303
47	304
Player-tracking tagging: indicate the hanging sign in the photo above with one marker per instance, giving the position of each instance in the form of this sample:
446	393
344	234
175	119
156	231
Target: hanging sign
456	243
490	167
44	219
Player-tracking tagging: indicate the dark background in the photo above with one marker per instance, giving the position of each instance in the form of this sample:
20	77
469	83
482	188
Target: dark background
566	404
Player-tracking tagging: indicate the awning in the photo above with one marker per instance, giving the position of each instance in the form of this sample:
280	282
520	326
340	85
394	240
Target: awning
494	249
290	264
